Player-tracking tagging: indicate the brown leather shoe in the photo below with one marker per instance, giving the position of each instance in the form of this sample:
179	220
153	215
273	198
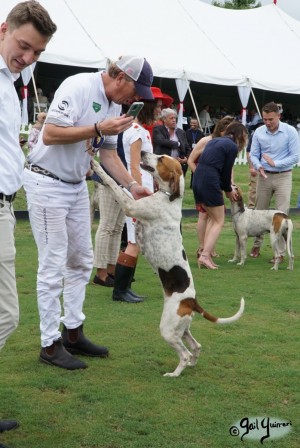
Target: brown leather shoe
58	356
255	252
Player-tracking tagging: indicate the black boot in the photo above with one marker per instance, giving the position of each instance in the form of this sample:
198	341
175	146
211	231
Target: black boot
58	356
75	342
8	425
123	276
129	290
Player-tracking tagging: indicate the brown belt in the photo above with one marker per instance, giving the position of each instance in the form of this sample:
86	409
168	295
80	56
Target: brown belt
277	172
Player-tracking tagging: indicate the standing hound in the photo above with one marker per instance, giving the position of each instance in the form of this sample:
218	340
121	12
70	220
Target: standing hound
159	238
249	222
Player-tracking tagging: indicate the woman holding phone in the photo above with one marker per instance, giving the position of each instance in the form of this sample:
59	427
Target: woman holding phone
135	140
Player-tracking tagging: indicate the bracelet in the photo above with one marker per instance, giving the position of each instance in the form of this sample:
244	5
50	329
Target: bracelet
98	131
131	184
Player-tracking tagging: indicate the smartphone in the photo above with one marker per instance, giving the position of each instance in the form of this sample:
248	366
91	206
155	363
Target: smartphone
134	109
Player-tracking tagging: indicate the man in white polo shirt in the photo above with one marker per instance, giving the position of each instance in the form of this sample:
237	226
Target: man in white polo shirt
83	118
23	36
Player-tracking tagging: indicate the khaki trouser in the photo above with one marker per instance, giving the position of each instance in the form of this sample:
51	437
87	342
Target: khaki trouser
9	305
278	185
252	191
108	235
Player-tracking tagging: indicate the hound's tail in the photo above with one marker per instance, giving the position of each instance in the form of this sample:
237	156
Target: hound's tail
220	320
289	245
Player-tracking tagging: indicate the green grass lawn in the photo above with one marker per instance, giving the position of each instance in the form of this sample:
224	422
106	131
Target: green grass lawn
249	368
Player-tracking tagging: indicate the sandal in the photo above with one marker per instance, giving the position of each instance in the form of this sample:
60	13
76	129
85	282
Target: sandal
205	262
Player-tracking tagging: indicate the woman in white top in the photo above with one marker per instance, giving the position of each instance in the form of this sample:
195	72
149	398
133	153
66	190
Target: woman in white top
135	140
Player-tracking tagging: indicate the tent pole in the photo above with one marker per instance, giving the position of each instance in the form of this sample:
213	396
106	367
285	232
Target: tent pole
254	99
194	105
34	86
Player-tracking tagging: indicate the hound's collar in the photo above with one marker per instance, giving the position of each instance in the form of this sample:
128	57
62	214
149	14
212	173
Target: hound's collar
235	213
238	211
165	192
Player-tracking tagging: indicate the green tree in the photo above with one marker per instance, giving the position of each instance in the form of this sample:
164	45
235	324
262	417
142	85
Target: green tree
237	4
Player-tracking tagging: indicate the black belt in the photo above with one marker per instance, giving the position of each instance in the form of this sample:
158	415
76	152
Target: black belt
7	197
39	170
277	172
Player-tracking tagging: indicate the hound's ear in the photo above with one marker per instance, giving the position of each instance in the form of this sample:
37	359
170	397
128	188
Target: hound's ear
174	186
241	204
240	200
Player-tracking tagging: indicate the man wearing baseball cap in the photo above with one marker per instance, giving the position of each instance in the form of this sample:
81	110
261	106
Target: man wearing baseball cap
140	71
83	118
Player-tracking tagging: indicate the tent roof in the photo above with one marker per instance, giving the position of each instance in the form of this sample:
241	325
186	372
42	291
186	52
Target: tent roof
180	38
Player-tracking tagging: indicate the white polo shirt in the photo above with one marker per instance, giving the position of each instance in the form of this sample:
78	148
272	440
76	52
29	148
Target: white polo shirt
11	155
79	101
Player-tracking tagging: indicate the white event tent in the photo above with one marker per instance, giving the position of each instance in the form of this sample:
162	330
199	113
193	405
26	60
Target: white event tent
186	40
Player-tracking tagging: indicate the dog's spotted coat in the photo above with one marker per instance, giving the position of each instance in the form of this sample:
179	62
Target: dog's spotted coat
159	237
248	222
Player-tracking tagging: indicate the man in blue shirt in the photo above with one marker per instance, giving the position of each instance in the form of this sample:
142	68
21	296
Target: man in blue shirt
274	151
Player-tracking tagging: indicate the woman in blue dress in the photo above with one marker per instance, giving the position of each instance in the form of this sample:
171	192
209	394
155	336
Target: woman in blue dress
213	176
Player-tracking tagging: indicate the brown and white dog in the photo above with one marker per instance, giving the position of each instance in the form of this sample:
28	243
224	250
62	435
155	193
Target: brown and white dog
159	237
248	222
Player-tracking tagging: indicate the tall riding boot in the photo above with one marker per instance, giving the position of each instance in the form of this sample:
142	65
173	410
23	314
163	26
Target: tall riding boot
123	276
75	342
129	290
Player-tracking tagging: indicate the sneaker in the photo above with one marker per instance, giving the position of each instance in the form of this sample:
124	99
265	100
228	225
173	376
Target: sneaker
255	252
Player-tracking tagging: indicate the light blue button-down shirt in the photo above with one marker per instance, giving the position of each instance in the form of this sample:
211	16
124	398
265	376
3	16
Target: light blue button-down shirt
283	146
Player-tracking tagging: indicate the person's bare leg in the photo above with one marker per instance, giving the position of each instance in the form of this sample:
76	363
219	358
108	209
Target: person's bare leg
201	228
215	225
102	273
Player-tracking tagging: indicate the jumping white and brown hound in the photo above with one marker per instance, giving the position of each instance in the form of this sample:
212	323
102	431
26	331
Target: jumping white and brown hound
250	222
159	237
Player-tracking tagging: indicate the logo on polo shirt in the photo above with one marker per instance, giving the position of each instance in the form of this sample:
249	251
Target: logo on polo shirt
63	105
96	107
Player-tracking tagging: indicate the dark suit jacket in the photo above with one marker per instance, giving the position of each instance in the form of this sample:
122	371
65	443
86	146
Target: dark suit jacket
193	137
163	145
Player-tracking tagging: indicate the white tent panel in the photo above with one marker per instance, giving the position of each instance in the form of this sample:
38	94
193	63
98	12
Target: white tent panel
180	38
164	33
262	44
